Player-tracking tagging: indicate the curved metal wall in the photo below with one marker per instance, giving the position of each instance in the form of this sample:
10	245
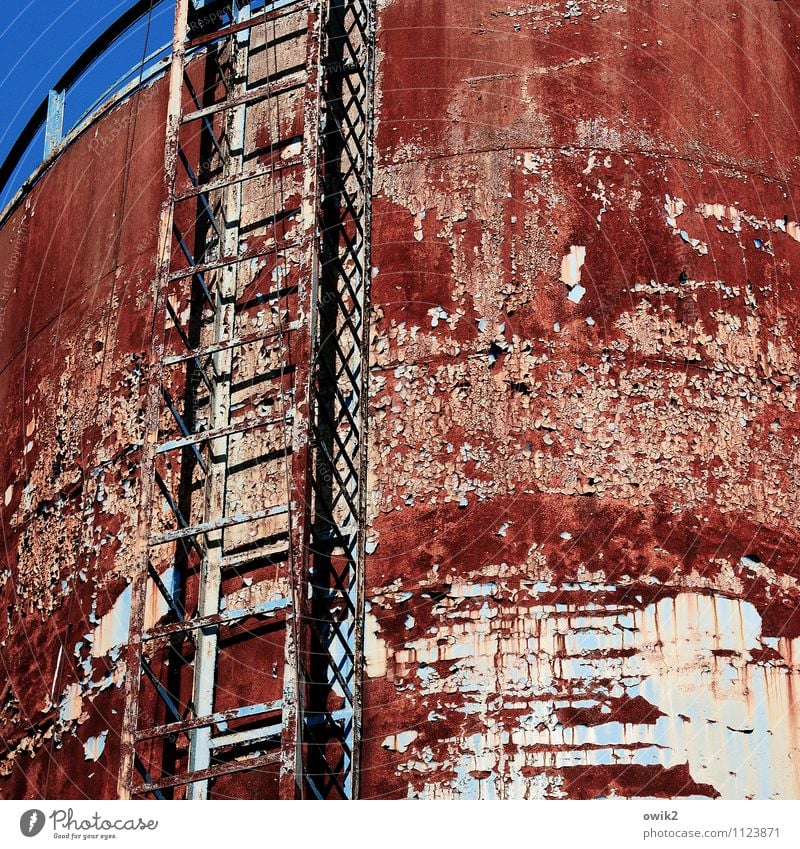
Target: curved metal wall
585	434
77	258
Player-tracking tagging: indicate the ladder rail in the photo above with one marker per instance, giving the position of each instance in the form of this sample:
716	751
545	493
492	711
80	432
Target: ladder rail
153	405
291	782
205	661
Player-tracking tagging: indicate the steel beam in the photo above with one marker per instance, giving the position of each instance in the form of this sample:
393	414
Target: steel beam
54	129
205	661
340	354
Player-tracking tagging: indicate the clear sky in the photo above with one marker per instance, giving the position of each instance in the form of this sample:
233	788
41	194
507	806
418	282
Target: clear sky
42	38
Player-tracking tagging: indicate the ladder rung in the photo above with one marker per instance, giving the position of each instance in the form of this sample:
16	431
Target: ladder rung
206	350
252	735
287	83
219	433
203	774
224	182
226	617
255	253
218	524
277	552
212	719
259	19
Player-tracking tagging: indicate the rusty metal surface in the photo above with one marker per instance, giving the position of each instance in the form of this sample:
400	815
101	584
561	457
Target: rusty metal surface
584	386
581	570
77	258
152	400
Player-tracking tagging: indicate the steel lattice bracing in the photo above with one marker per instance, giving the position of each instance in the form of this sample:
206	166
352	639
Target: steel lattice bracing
242	680
339	405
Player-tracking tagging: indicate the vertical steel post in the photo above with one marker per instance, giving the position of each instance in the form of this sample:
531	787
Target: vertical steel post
54	129
140	578
295	666
339	415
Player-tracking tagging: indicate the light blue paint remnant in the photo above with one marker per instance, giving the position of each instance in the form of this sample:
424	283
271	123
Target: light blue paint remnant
603	757
93	748
592	640
609	733
576	293
650	756
426	674
468	786
476	590
112	629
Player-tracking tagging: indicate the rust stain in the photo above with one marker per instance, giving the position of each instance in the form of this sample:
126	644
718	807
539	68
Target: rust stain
584	398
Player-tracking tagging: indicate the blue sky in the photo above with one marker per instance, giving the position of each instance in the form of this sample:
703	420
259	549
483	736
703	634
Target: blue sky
42	38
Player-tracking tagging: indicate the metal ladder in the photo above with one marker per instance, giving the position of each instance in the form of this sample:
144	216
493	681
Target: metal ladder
244	652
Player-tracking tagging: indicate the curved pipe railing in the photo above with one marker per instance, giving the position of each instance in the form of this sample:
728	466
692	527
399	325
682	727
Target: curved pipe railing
49	115
50	110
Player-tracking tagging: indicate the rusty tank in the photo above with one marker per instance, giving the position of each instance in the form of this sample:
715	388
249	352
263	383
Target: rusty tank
575	568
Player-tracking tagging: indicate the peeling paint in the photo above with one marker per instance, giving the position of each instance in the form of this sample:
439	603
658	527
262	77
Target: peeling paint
587	569
94	747
582	574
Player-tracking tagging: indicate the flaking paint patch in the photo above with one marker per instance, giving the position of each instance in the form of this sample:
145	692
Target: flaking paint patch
663	425
400	742
71	703
112	630
571	265
674	208
713	708
94	747
375	650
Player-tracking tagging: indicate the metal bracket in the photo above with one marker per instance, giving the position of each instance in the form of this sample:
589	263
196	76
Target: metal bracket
55	122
